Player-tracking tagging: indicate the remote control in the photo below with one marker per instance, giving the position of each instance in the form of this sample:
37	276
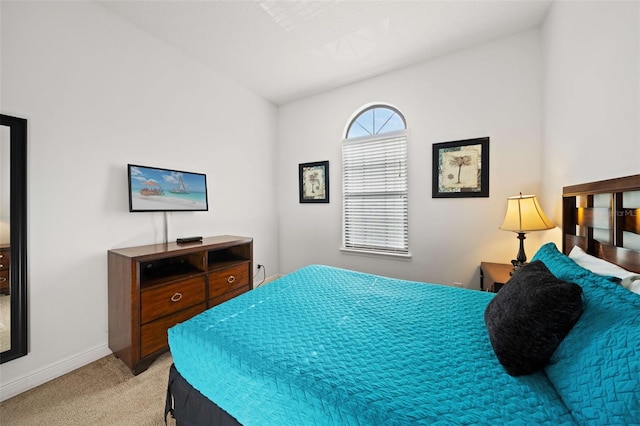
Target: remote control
186	240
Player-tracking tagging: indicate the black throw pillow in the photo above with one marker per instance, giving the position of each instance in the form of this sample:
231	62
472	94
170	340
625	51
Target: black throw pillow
530	316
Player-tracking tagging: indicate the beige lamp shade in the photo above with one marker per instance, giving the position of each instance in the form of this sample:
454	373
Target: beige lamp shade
524	214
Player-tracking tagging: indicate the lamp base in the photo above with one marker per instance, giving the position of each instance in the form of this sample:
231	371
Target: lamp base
521	258
516	265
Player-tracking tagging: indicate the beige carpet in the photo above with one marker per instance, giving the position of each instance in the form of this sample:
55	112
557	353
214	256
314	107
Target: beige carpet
101	393
5	322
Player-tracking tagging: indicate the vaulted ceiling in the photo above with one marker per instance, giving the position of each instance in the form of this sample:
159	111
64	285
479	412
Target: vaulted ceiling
287	50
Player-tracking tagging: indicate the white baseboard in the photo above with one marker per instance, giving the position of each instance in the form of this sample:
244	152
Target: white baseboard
43	375
267	280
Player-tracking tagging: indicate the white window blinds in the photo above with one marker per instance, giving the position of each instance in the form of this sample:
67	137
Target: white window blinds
375	194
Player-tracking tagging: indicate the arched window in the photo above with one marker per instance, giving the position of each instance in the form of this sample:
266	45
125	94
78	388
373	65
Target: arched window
374	182
375	120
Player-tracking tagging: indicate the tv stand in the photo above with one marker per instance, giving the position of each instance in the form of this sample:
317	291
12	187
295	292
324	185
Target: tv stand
154	287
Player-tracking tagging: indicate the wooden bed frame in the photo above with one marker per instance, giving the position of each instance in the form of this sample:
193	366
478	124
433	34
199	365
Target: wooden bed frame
580	217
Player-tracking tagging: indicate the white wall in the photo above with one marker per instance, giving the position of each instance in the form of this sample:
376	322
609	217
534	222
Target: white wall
591	95
493	90
99	93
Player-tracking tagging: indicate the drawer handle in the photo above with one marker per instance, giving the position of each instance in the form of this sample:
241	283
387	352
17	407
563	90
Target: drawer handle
231	279
176	297
3	279
1	265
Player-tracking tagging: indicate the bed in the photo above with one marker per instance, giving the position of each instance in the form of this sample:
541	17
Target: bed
328	346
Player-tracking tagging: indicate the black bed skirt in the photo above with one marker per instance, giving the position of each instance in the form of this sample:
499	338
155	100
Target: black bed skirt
190	408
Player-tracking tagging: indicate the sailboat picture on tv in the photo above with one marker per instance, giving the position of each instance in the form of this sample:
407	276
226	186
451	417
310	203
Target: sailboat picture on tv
153	189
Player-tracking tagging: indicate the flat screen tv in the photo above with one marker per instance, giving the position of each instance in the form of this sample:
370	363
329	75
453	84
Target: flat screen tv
152	189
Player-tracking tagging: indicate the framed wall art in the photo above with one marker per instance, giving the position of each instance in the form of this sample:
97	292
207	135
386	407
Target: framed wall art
461	168
314	182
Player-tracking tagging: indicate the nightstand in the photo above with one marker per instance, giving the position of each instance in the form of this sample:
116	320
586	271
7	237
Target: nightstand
494	275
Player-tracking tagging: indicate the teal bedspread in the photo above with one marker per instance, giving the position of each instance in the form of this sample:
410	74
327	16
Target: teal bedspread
326	346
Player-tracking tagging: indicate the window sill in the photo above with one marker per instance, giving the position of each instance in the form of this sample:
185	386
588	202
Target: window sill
360	252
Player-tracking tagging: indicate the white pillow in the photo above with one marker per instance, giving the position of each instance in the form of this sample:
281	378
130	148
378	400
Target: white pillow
598	266
632	282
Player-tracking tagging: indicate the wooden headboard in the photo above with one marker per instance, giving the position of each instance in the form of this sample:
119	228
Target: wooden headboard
600	227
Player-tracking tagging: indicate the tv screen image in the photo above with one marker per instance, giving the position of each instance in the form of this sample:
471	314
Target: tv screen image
153	189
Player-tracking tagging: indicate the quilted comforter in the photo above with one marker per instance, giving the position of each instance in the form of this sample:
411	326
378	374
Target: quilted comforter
326	346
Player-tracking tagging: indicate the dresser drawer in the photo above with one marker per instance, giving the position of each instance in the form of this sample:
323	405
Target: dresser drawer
229	295
4	281
153	335
159	301
228	279
5	258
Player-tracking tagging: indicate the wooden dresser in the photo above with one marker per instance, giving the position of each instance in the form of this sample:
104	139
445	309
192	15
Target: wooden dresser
154	287
5	260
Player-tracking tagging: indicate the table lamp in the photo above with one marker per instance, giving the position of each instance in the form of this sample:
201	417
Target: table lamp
524	215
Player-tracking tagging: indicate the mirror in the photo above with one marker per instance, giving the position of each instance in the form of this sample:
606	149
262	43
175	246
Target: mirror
13	238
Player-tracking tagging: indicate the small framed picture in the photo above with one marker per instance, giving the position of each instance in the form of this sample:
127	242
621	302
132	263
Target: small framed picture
461	168
314	182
